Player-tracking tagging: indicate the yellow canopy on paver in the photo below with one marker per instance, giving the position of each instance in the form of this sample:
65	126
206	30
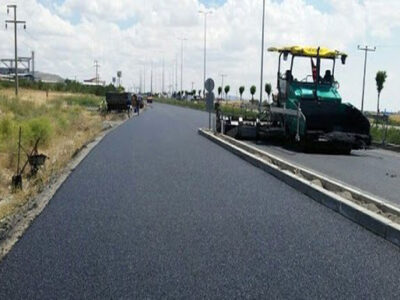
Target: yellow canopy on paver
309	51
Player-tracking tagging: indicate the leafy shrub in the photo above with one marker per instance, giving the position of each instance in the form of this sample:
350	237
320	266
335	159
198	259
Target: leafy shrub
38	128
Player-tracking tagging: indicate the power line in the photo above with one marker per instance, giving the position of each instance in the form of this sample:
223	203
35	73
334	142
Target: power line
366	49
15	22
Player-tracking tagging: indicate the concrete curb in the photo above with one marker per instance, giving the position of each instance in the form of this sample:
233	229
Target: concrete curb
325	193
20	222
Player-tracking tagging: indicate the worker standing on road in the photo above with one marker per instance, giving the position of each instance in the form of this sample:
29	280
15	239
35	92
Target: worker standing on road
136	103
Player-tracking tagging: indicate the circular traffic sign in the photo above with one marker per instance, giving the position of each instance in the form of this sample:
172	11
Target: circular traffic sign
209	85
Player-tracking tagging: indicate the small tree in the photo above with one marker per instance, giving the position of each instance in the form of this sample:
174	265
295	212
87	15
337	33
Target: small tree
219	91
380	80
268	89
199	91
253	90
194	92
227	88
241	91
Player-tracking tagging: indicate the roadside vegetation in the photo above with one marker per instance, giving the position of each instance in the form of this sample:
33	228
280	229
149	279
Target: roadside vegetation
70	86
62	122
232	108
392	135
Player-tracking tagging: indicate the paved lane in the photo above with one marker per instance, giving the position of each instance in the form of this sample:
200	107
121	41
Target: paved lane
156	211
375	171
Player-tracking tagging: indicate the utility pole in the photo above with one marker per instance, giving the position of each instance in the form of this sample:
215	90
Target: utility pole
262	58
176	73
222	83
205	13
366	50
151	79
144	78
163	76
140	82
192	85
15	22
182	41
97	66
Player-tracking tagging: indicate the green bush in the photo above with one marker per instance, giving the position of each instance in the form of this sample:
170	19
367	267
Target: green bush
38	128
392	136
6	126
87	101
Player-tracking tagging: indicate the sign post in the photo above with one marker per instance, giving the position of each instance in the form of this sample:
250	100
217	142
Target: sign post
209	85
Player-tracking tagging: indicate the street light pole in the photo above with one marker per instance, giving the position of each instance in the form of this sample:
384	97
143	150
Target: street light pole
222	83
366	50
205	13
262	58
182	41
15	22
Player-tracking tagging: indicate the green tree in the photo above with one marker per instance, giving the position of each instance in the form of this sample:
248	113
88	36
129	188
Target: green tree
253	90
241	91
380	80
199	93
268	90
227	88
219	91
194	92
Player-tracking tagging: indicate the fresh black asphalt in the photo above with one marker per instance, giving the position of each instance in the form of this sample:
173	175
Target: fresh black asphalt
157	211
374	171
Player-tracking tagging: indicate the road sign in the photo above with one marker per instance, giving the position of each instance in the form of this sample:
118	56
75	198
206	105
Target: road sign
209	85
210	101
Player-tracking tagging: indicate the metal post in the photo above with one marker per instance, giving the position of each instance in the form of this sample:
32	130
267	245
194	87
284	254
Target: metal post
151	79
176	74
222	83
19	150
163	77
182	40
262	59
298	123
366	50
205	13
15	22
16	50
96	65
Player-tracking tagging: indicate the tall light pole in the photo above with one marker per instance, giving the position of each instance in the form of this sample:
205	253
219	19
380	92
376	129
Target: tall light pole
182	41
205	13
262	58
151	79
15	22
366	50
222	83
163	75
176	74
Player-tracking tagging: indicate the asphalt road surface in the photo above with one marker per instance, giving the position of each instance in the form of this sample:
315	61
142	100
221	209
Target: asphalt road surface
375	171
157	211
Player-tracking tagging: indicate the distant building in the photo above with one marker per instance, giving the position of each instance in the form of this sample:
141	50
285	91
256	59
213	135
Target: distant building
94	81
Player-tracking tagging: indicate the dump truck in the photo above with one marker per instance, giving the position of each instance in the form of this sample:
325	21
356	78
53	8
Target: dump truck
308	109
119	101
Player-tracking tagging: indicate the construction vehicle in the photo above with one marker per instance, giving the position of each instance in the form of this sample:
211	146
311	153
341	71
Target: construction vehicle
307	110
119	102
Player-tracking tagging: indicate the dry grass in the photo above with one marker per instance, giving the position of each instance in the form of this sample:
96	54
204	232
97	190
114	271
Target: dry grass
38	97
395	119
70	127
